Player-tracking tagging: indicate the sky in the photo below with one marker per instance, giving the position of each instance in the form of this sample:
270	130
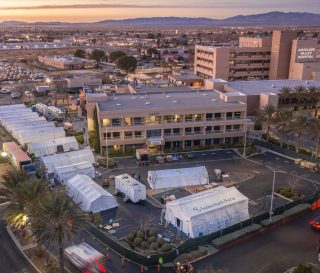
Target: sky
96	10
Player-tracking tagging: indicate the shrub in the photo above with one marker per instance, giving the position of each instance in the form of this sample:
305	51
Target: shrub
152	239
80	139
166	247
131	236
140	234
161	241
154	246
78	133
152	232
303	268
137	241
144	245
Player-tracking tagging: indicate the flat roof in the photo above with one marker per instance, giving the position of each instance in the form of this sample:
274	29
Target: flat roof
268	86
168	100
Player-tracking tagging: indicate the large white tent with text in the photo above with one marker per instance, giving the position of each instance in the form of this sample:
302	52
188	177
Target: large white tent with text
89	195
207	211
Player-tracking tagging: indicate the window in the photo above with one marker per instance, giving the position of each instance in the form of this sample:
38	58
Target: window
116	122
236	127
154	133
197	117
188	130
197	130
106	122
138	120
128	134
167	132
207	142
116	135
107	134
177	118
167	119
187	143
237	115
188	118
197	142
229	115
217	116
209	116
153	120
128	121
137	134
217	129
228	128
176	131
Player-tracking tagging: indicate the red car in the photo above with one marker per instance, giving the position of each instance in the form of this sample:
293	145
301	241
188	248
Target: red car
315	223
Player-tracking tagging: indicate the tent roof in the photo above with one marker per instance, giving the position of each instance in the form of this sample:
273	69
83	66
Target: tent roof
74	167
206	201
85	191
169	173
54	143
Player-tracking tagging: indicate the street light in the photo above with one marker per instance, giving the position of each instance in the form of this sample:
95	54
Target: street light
272	192
245	137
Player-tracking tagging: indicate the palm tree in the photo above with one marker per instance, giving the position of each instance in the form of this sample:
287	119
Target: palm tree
59	219
268	112
282	119
285	92
300	93
314	95
298	125
314	129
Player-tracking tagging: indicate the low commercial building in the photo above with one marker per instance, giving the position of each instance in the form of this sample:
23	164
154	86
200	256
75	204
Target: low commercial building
172	120
257	94
66	62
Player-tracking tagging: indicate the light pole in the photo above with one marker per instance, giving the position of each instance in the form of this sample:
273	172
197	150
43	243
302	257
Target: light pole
272	192
107	149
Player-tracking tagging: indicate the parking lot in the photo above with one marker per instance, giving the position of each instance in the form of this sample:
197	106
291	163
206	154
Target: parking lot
258	189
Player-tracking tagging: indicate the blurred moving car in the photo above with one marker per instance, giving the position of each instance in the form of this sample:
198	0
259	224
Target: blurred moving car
315	224
86	258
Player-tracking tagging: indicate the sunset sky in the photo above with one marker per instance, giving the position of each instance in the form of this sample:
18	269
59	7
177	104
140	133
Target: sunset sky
95	10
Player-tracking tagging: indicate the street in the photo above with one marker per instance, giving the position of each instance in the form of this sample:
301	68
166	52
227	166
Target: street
11	259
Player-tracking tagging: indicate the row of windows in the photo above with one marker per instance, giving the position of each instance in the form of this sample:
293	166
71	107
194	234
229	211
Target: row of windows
151	120
174	132
248	62
235	70
204	67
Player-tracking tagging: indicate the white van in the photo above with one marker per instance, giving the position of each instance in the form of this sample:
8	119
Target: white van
86	258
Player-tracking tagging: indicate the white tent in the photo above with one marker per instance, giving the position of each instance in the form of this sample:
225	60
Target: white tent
17	129
51	162
208	211
173	178
66	172
12	107
89	195
130	187
39	134
24	120
50	147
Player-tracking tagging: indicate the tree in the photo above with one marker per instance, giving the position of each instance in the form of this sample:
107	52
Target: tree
282	119
314	129
63	220
285	92
80	53
300	93
127	63
293	181
114	55
314	95
150	36
96	141
151	51
298	126
268	112
97	55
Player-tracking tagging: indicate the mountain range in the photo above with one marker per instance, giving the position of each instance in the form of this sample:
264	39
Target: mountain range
264	19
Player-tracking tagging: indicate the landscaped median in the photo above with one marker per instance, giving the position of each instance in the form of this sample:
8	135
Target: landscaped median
286	214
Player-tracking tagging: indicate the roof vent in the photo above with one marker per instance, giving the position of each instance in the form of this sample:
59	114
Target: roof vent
174	101
115	98
147	102
205	94
307	82
118	104
273	86
213	100
168	96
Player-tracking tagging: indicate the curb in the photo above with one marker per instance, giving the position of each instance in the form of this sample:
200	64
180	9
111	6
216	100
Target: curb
14	239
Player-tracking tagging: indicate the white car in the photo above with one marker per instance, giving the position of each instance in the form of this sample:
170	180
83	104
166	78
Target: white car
86	258
4	91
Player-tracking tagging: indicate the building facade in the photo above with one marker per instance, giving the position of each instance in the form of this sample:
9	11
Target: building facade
279	57
170	121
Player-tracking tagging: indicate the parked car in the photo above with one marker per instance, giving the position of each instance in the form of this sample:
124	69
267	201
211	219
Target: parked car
15	95
86	258
4	91
315	224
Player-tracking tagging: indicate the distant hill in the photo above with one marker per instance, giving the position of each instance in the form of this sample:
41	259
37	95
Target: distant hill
274	18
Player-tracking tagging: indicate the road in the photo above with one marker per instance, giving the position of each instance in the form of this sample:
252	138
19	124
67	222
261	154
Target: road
11	259
273	251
